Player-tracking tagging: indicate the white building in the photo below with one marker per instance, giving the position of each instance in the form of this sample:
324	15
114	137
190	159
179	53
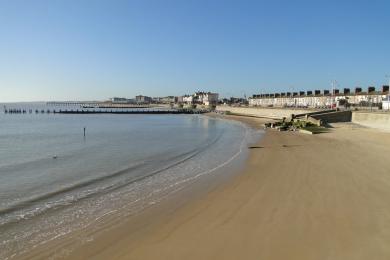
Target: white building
205	98
210	99
200	98
386	103
187	99
324	99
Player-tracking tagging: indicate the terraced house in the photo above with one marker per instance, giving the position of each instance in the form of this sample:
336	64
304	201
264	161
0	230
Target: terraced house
324	99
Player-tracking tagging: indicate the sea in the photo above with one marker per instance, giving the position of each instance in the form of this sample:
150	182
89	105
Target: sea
55	180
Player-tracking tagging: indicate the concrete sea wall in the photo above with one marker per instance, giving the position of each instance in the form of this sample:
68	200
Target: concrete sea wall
334	117
373	120
369	119
274	113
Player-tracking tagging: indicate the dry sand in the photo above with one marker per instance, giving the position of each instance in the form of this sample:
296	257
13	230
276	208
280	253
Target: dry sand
300	197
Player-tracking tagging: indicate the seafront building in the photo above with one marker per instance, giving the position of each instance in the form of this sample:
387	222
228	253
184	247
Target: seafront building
165	100
324	99
386	103
207	98
119	100
234	101
187	99
200	98
143	99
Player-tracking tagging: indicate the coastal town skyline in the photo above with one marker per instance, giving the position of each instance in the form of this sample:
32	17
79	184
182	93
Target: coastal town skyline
67	50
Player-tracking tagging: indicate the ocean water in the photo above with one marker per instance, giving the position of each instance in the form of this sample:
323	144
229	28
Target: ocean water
53	180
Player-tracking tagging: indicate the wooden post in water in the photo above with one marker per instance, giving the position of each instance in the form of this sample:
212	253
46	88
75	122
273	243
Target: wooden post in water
84	131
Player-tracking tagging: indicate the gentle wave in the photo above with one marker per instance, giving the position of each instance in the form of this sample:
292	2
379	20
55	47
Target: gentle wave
163	156
67	200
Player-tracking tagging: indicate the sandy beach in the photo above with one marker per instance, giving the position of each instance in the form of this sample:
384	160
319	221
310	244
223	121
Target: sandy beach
299	196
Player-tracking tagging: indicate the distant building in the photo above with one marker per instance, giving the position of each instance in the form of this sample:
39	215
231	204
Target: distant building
199	98
180	99
156	100
143	99
188	99
386	103
324	99
168	99
235	101
210	99
205	98
119	100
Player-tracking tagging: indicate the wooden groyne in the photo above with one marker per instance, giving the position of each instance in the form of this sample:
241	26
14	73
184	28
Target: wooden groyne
96	104
28	111
106	111
138	111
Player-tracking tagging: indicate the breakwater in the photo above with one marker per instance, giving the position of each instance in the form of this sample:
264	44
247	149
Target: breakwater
105	111
135	111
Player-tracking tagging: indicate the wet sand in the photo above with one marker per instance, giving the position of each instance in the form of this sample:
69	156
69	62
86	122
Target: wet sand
299	196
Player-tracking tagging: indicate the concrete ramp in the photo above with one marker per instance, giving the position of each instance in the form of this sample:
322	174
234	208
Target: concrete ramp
325	117
334	117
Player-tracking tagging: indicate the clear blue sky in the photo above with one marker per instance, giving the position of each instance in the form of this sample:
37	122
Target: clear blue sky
88	50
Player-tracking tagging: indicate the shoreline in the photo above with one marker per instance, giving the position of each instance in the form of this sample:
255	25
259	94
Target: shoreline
298	197
197	188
